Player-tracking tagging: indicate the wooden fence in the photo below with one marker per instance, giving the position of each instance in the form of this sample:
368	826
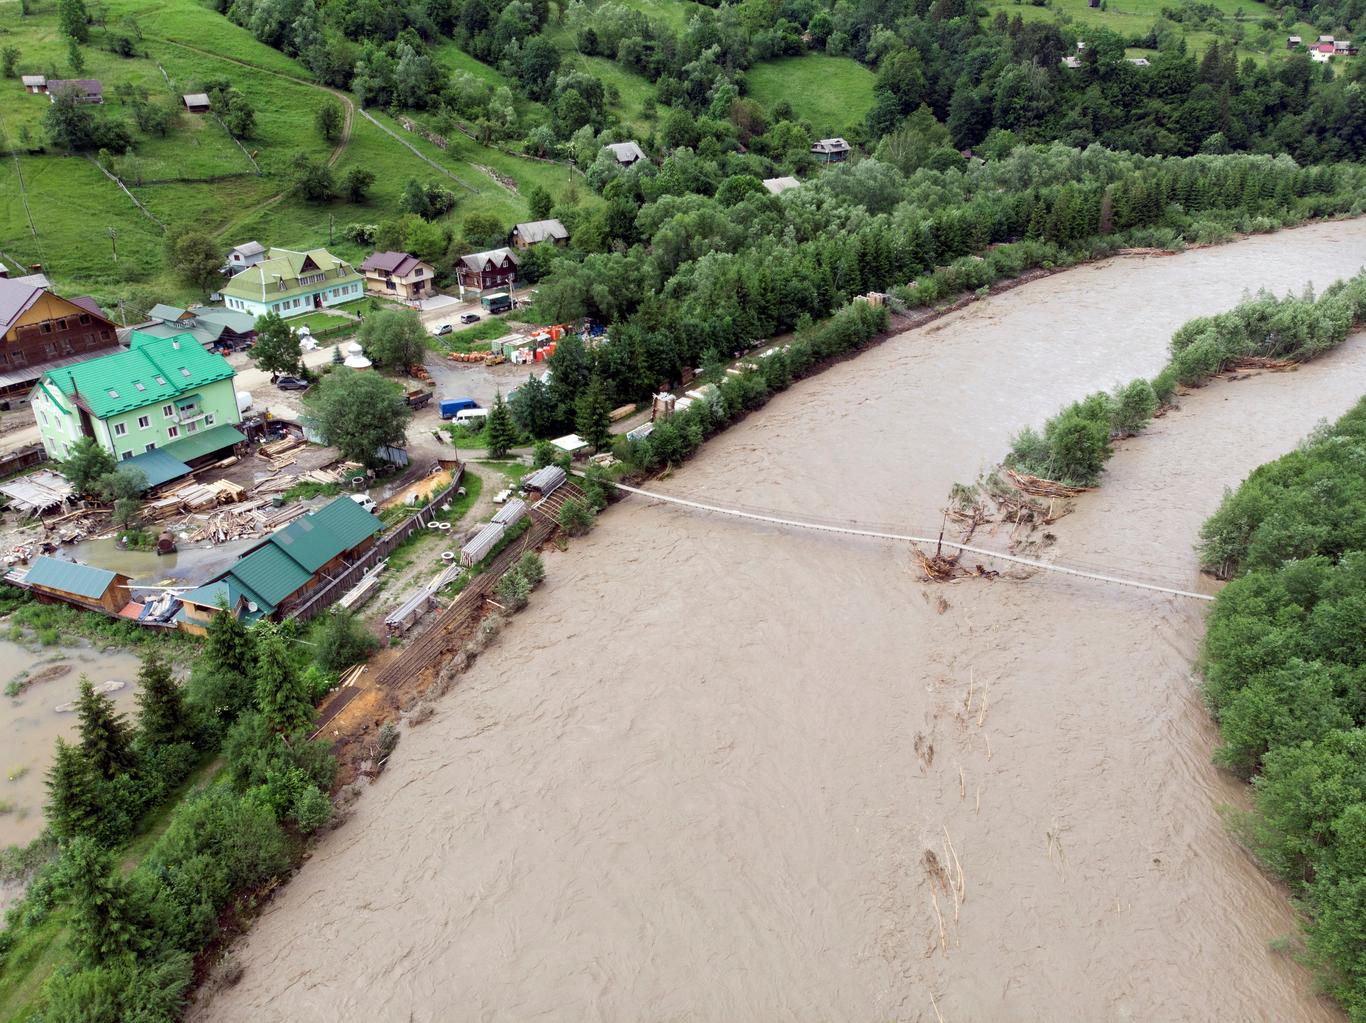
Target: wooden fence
335	588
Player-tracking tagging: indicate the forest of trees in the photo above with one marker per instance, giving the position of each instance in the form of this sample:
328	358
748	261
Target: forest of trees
1285	668
133	936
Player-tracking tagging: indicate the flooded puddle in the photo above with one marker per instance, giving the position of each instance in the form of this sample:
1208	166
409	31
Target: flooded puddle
31	721
189	564
726	771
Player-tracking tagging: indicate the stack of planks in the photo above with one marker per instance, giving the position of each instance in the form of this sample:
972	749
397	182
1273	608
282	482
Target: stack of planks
248	519
192	496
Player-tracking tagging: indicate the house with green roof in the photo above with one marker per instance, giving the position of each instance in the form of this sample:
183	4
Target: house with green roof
293	283
52	580
164	405
286	567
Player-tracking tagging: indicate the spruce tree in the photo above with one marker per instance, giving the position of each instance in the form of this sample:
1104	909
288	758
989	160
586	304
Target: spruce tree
594	415
229	645
280	693
105	920
72	797
502	432
164	719
106	740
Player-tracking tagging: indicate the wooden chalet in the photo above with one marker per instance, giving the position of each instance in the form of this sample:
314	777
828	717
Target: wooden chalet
481	271
40	331
52	580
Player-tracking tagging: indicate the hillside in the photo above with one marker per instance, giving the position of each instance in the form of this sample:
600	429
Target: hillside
59	210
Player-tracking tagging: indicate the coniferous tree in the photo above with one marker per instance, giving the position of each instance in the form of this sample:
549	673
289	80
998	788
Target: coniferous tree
229	644
502	432
593	418
106	739
280	693
105	920
164	719
72	798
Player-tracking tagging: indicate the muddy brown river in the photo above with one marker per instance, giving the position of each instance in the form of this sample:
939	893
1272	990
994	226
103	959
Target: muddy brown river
723	771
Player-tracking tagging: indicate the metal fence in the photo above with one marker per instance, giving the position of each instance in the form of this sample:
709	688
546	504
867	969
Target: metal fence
336	587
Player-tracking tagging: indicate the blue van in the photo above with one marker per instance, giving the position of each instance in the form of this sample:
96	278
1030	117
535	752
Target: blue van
450	406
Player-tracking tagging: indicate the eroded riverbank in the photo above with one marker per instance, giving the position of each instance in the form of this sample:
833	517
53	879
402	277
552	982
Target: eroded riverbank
699	777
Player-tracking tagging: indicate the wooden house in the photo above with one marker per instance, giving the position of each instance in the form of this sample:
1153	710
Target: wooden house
626	153
36	84
196	102
86	90
397	275
40	331
834	150
533	233
480	271
52	580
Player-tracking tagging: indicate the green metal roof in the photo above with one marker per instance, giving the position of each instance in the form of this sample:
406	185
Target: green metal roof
203	442
270	573
158	465
152	371
69	577
317	538
277	277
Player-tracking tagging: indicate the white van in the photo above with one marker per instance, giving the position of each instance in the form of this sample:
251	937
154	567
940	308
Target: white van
364	500
471	417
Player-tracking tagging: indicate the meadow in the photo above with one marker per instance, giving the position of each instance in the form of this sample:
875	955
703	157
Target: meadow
831	93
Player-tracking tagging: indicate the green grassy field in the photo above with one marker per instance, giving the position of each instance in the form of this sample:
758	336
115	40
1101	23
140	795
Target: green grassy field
197	176
830	92
1135	17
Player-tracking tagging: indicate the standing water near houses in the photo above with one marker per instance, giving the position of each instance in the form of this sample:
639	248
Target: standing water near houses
727	771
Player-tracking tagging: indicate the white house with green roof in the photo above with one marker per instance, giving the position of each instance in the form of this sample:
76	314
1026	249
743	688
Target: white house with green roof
162	405
292	283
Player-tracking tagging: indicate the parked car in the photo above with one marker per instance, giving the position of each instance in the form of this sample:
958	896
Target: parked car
364	500
442	330
470	317
291	384
451	406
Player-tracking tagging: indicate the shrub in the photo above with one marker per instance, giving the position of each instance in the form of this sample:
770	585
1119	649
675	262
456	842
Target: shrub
341	640
576	518
312	809
513	590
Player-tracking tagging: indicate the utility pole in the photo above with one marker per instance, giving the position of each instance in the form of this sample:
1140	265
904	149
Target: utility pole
113	233
331	221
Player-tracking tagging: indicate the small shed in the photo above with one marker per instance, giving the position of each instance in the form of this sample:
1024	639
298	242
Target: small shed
484	541
86	90
196	102
544	481
777	186
511	513
626	153
570	443
36	84
74	583
38	492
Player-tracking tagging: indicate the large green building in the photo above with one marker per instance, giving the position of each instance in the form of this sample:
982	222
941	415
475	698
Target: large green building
162	405
292	283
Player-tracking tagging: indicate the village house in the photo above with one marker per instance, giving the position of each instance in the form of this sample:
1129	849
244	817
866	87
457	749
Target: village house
1139	61
86	90
217	329
286	567
1293	42
526	235
242	256
40	331
163	406
626	153
1344	48
1322	53
292	283
398	275
52	580
830	150
777	186
36	84
480	271
197	103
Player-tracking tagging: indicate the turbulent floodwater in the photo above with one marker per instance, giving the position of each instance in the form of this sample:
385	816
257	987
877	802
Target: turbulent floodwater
713	773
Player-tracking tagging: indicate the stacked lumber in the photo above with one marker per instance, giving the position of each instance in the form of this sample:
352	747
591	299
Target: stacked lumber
243	521
191	496
275	449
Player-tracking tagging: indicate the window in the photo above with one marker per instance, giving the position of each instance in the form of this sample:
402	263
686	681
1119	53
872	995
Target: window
150	447
113	393
160	380
208	418
144	422
185	372
191	427
120	429
127	455
84	318
173	432
45	327
61	324
139	385
168	411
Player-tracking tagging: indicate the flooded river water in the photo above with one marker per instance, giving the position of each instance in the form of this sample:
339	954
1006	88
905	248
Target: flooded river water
721	771
30	722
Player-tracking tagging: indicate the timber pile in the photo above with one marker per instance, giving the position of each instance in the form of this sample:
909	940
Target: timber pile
191	496
244	521
279	481
1261	362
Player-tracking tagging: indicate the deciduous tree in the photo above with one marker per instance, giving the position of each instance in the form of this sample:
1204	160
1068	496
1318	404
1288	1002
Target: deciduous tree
360	413
86	465
393	338
277	347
